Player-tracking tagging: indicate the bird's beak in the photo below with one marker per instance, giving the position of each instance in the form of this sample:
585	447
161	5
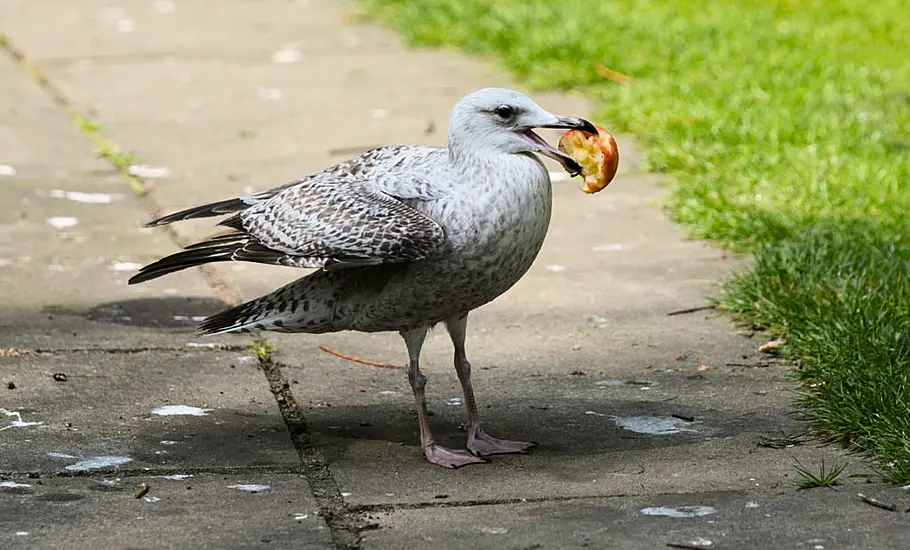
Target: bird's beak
544	148
572	123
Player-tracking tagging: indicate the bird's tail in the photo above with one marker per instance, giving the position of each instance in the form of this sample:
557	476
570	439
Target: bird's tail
304	305
246	317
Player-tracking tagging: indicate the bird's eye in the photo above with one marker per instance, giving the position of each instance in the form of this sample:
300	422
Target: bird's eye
505	112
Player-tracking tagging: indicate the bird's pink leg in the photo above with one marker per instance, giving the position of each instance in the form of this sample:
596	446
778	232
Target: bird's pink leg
447	458
479	442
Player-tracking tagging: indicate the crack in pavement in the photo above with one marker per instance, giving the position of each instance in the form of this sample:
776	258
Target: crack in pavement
344	522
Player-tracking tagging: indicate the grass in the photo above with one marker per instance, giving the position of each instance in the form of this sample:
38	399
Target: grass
824	478
784	127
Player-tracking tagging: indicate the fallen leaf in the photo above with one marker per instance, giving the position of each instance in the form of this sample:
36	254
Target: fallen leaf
771	347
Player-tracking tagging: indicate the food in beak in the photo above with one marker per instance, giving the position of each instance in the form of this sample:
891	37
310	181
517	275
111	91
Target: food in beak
597	155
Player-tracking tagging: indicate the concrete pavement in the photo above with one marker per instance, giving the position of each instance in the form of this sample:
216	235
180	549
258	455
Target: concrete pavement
640	416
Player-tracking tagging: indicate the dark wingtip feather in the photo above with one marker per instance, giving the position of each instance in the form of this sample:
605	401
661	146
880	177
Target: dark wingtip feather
185	259
205	211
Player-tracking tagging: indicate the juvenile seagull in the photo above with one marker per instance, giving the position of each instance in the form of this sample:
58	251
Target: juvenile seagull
404	237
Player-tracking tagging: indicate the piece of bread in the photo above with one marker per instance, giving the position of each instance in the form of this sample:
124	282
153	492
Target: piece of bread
597	155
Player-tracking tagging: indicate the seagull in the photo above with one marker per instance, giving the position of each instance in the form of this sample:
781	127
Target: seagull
402	237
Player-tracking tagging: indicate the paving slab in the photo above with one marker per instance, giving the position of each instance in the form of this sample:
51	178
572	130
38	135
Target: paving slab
821	519
199	511
168	411
70	237
29	117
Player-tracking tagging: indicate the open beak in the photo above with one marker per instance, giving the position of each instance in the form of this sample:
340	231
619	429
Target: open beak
544	148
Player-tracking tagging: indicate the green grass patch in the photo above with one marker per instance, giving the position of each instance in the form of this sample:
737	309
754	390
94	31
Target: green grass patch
785	129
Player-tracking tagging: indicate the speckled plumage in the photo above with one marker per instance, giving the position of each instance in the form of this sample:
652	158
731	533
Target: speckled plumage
404	236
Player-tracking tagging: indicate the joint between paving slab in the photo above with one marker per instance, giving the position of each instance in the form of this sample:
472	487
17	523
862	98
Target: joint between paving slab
152	472
224	289
344	523
373	508
16	352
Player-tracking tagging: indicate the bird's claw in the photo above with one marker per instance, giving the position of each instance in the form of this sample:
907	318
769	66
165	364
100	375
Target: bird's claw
482	444
449	458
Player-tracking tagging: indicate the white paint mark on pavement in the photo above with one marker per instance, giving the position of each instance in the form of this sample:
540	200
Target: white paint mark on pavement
13	484
494	530
125	266
200	345
289	54
653	425
454	402
300	517
180	410
149	498
79	196
98	462
62	222
176	477
18	422
679	511
752	504
196	318
21	533
149	171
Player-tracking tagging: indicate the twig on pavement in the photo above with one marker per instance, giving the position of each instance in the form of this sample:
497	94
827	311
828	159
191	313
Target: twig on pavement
877	503
690	310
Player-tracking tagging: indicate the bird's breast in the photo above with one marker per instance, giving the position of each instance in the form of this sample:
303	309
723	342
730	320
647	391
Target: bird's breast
495	232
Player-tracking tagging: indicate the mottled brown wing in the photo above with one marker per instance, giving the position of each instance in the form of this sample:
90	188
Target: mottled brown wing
337	222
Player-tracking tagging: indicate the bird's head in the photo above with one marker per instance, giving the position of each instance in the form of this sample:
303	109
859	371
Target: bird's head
502	120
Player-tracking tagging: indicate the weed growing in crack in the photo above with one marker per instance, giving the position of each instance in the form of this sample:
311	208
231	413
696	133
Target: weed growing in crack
263	351
824	477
